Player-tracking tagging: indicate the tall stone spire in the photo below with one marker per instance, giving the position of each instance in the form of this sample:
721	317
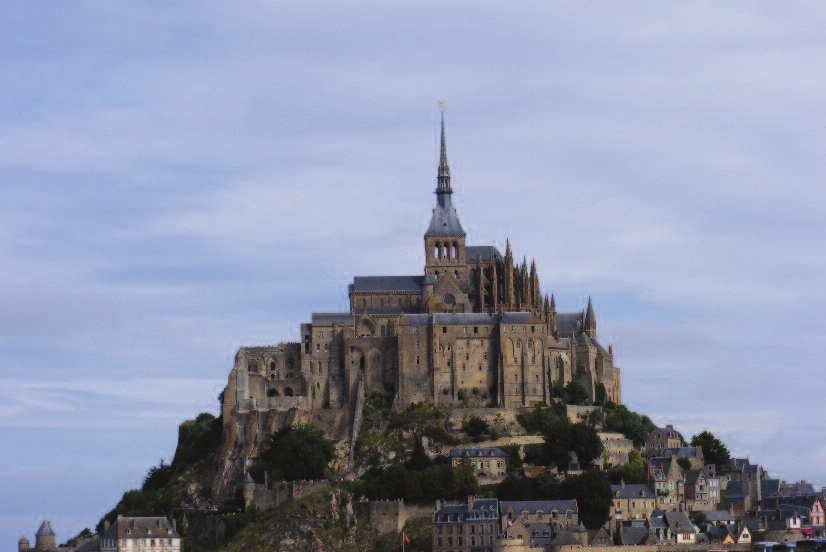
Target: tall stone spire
590	321
443	186
444	220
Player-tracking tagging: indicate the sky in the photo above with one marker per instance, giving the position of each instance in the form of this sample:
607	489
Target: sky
179	179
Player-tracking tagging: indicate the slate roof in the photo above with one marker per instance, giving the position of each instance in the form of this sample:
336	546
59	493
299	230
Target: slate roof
679	522
587	340
45	529
140	528
483	251
479	453
735	490
569	321
324	319
532	506
682	452
520	318
632	491
564	538
631	536
445	220
450	319
719	516
769	488
387	283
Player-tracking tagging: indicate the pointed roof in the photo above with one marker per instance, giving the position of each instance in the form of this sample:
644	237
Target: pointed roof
45	529
444	221
589	314
444	166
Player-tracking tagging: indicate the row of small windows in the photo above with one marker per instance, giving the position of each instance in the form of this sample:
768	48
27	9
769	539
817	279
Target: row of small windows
381	303
445	250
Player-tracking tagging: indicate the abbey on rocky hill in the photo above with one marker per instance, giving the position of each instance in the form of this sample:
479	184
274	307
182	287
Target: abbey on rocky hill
473	328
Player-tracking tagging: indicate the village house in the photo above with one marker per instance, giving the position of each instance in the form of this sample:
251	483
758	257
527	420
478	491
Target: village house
559	514
660	439
140	534
635	501
487	462
468	526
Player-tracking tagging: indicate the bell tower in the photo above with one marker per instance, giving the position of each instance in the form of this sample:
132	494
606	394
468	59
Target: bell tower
444	241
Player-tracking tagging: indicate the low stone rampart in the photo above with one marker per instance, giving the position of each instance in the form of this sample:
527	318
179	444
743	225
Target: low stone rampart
391	515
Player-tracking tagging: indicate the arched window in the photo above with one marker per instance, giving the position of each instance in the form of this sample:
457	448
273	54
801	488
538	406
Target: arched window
288	391
436	251
272	365
272	393
291	365
445	252
455	250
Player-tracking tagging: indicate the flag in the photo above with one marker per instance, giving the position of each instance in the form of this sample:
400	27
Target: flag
406	540
510	522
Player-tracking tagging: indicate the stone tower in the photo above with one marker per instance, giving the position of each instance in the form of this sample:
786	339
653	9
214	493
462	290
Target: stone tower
45	539
23	544
444	241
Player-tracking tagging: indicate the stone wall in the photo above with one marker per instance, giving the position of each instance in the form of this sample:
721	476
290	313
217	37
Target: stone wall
391	515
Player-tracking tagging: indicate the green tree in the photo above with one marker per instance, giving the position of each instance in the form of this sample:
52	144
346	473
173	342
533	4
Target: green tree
714	451
465	477
537	419
600	395
475	427
157	477
562	437
575	393
593	495
299	451
516	488
684	463
419	460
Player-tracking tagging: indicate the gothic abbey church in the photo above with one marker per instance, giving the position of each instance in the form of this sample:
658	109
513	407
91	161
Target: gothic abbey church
473	329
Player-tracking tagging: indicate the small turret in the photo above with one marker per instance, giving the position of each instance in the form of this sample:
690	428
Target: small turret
45	539
23	544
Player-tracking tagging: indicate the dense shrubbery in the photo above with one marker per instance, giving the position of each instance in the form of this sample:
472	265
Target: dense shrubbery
298	452
631	472
714	451
621	420
572	393
164	485
536	420
419	479
563	436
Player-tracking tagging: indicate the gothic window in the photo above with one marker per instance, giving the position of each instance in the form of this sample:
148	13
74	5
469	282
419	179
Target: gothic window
290	365
518	343
456	274
383	331
288	391
444	251
364	302
272	365
449	299
381	302
455	250
272	393
436	251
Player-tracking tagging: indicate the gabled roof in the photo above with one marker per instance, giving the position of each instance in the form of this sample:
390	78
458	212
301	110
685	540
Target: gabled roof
569	321
479	453
519	318
632	491
769	488
681	452
140	528
450	319
632	536
387	283
533	506
325	319
564	538
472	252
678	522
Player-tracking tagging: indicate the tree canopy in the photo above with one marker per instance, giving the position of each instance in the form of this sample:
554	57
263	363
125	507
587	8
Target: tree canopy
563	436
714	451
298	451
